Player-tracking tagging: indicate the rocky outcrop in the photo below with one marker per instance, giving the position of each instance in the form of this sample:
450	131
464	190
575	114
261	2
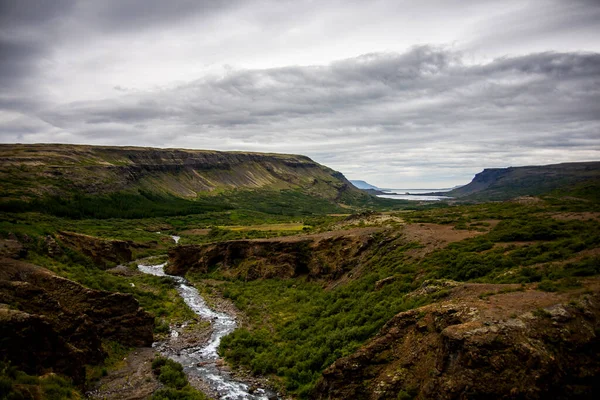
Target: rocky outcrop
103	252
524	344
12	248
316	256
51	323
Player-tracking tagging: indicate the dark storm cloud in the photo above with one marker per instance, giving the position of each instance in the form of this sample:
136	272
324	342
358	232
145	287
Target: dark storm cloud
139	14
30	30
25	36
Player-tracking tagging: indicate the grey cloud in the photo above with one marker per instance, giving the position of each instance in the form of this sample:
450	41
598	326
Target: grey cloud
25	36
426	100
31	30
126	15
410	110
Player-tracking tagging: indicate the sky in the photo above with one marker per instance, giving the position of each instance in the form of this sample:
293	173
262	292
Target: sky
400	94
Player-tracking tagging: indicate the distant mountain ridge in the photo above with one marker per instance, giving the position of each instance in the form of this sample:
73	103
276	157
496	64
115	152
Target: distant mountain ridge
506	183
363	185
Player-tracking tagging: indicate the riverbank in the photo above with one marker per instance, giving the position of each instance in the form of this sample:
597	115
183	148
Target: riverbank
200	360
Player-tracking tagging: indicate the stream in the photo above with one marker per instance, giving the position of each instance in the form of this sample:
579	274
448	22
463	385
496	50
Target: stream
201	361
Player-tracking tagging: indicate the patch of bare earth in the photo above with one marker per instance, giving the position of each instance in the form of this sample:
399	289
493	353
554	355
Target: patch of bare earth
198	232
355	232
576	216
433	237
527	200
133	381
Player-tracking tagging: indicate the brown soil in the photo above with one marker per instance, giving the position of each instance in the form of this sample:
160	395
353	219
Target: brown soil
133	381
200	232
433	237
355	232
579	216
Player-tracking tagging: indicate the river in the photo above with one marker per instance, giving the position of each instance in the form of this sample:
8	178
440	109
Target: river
201	361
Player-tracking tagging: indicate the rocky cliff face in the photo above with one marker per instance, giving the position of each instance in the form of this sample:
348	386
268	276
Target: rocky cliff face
523	344
32	170
51	323
326	256
102	252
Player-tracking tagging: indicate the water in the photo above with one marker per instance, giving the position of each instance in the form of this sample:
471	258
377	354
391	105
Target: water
201	361
413	194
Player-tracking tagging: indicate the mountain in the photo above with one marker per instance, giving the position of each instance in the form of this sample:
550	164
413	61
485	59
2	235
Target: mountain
44	176
506	183
363	185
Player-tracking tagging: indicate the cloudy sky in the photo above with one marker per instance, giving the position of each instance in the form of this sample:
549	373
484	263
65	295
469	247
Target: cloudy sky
399	93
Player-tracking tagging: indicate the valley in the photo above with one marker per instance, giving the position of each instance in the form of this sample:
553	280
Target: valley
336	294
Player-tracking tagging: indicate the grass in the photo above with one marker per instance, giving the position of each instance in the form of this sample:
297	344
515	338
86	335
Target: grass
16	384
176	386
296	328
115	354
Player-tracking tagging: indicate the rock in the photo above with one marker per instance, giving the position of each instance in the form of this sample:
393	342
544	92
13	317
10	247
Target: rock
465	348
52	248
103	252
315	256
32	343
67	320
382	282
12	248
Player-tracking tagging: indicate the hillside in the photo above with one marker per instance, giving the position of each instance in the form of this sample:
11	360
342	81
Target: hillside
333	298
189	181
506	183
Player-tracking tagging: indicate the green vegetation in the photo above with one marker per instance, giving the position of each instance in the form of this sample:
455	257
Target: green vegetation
296	328
143	204
572	179
115	352
17	385
307	328
171	374
520	251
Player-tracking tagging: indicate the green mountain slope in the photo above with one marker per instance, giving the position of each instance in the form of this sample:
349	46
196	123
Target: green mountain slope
105	181
506	183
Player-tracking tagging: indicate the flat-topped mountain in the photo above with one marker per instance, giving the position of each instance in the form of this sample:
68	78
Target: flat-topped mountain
506	183
55	168
140	174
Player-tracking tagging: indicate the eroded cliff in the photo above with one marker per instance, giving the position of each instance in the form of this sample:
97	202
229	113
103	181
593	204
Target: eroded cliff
49	323
513	344
327	256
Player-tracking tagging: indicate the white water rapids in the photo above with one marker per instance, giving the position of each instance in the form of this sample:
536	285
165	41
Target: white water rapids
201	361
